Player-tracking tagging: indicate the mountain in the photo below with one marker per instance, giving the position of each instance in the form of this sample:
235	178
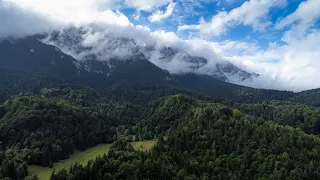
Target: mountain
92	44
221	71
29	64
33	56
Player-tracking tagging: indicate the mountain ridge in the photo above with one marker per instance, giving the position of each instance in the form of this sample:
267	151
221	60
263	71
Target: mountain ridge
78	42
37	59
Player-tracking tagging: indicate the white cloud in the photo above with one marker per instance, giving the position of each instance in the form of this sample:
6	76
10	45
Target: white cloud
23	17
251	13
300	21
293	66
146	5
306	13
16	21
136	16
73	11
160	15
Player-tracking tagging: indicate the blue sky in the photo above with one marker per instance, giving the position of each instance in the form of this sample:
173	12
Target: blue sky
191	11
276	38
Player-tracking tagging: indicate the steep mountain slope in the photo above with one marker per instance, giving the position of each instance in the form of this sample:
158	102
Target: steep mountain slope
34	56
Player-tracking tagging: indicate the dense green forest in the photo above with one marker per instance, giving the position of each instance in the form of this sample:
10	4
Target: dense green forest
13	82
302	116
208	141
206	137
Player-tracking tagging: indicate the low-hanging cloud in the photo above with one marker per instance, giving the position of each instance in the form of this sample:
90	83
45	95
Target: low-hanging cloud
122	42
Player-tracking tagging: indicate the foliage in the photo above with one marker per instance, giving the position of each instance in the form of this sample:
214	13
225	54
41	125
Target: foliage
285	113
210	141
41	130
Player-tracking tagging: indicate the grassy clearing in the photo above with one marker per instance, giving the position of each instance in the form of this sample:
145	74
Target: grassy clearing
143	145
44	173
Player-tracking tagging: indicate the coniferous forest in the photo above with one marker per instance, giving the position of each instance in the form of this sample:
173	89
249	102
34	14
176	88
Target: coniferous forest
198	136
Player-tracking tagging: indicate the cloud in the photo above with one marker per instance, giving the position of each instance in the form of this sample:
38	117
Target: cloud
207	30
20	17
18	22
136	16
295	64
292	66
146	5
159	15
72	11
123	42
250	13
300	22
306	13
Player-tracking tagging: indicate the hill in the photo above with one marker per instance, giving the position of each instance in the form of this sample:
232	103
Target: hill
209	141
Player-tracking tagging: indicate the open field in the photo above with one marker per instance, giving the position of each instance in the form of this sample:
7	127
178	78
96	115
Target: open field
143	145
44	173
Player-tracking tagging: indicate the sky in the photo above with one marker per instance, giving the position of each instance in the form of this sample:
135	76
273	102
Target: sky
277	39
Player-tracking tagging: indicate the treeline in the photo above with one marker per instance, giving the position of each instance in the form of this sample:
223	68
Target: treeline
209	141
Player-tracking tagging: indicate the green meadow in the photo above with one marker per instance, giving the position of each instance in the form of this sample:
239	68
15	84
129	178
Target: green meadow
143	145
83	157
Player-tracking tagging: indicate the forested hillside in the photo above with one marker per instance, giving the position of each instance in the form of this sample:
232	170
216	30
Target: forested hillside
202	134
41	129
304	117
209	141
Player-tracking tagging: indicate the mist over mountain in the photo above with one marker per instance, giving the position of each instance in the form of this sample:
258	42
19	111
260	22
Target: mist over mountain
86	44
32	64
